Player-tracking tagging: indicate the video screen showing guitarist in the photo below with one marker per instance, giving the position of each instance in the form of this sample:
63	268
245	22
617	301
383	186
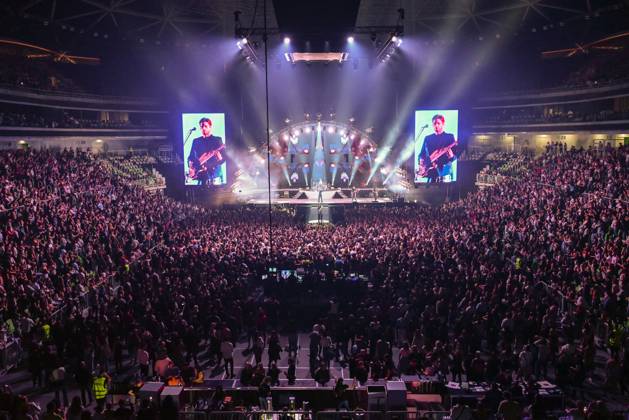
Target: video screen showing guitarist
207	154
437	153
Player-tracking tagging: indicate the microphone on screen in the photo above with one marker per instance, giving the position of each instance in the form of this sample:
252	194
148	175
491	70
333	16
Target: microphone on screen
193	129
425	126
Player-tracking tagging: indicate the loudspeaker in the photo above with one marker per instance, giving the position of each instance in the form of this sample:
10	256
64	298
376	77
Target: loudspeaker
396	395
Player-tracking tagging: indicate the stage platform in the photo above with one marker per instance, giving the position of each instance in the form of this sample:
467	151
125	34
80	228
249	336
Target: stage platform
325	202
311	197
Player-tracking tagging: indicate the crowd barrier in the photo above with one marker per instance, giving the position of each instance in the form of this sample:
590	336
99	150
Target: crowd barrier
10	355
308	415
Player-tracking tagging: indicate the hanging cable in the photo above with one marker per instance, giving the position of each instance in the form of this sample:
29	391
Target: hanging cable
268	135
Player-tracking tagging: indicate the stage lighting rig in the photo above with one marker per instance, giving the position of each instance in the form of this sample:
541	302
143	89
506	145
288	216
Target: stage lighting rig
248	50
246	38
389	47
394	33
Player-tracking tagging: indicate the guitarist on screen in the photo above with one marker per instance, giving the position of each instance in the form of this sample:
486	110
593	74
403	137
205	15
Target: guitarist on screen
207	154
437	154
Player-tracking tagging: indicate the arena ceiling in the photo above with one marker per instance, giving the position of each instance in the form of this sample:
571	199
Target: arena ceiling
160	21
147	19
486	16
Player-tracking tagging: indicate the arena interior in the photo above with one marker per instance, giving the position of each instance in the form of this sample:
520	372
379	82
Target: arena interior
314	210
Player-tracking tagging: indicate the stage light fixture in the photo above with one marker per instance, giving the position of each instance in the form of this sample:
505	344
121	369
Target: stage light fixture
394	39
332	151
343	133
244	41
286	137
306	151
352	136
332	165
296	132
286	40
331	130
308	130
350	39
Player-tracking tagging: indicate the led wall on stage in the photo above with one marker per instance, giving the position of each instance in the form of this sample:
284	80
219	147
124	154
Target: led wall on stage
436	136
204	154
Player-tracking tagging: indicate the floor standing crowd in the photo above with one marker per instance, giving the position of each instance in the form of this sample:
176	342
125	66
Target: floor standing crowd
521	281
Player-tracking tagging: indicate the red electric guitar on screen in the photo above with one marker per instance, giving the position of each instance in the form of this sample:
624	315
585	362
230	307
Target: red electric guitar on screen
204	165
423	170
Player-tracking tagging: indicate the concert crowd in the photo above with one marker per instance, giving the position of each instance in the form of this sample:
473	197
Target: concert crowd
522	281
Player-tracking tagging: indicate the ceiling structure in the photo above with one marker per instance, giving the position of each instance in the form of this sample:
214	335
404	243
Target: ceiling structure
148	20
482	15
162	22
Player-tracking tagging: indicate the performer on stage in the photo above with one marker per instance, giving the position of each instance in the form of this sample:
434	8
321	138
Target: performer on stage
320	188
436	155
207	156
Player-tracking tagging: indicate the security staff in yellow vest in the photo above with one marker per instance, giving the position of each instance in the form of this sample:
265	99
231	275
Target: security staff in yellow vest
99	386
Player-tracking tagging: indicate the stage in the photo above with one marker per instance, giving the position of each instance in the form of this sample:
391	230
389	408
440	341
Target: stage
309	197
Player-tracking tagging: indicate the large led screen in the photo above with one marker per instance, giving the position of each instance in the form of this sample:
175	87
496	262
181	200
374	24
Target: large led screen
436	141
204	154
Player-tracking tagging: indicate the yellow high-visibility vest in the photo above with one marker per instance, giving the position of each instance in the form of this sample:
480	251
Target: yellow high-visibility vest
100	390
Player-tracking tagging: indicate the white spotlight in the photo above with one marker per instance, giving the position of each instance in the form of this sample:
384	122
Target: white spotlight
286	40
394	39
244	41
350	39
308	130
295	132
330	129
